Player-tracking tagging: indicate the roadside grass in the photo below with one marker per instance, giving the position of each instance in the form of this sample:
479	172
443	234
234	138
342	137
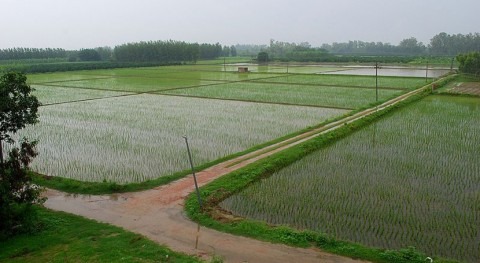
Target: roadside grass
63	237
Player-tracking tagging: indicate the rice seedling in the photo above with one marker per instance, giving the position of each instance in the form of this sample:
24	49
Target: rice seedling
59	77
134	84
292	94
411	179
139	137
50	95
358	81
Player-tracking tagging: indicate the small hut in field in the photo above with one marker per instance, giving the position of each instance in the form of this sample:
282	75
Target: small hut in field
242	69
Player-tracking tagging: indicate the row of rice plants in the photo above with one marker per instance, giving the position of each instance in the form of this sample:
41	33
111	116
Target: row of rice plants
51	95
139	137
134	84
222	76
411	179
292	94
125	72
141	80
59	77
360	81
219	75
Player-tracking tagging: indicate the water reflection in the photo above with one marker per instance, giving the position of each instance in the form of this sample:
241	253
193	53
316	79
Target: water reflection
393	72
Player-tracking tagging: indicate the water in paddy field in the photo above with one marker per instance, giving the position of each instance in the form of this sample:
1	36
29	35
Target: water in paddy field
392	71
367	70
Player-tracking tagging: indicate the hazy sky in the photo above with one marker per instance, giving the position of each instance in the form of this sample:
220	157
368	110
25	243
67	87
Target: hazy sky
75	24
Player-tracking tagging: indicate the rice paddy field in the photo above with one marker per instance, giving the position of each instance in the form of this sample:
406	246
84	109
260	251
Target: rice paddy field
126	125
410	179
136	138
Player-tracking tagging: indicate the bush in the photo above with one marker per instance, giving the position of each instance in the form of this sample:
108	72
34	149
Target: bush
17	193
469	63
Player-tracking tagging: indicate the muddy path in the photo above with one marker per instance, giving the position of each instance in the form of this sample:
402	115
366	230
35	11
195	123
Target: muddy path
159	215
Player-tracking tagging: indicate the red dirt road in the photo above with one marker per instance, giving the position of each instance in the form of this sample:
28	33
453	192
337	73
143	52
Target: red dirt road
158	214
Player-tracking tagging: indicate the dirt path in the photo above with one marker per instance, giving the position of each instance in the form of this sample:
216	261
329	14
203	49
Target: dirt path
158	213
471	88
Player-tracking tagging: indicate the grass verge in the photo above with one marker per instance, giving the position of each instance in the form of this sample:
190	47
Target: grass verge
218	190
64	237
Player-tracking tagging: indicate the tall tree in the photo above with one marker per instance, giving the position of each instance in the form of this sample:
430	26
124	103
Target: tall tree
89	55
18	107
410	46
233	51
262	57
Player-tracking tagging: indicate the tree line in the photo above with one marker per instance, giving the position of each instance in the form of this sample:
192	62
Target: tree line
146	51
32	53
442	44
171	51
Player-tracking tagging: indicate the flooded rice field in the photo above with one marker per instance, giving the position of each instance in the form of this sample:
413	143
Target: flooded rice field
359	70
392	71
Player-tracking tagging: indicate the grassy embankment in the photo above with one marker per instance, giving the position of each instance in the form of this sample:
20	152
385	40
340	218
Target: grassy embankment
62	237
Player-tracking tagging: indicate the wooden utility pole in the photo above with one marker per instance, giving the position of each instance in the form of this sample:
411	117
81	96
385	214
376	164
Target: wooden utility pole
376	81
193	172
426	73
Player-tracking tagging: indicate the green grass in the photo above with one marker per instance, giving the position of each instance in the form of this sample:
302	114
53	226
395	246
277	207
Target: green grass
335	97
67	238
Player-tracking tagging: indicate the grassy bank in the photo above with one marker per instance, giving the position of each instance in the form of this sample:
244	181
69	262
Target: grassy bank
62	237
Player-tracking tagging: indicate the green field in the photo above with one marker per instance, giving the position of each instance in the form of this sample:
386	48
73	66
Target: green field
410	179
350	81
126	125
136	138
321	96
51	94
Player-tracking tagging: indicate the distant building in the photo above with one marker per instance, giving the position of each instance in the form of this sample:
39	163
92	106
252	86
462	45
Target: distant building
242	69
